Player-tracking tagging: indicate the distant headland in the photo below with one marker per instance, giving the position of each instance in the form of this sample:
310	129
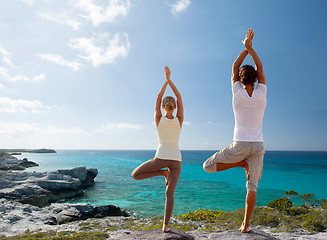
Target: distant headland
19	151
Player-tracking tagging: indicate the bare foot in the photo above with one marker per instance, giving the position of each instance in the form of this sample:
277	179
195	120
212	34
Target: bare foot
244	228
166	175
246	168
165	228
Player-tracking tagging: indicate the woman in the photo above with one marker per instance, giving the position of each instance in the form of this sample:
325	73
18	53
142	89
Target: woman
168	154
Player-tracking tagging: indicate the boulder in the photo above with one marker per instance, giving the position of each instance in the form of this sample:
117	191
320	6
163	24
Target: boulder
43	188
9	162
72	212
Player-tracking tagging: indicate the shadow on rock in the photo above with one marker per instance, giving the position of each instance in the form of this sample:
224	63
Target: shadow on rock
156	234
232	235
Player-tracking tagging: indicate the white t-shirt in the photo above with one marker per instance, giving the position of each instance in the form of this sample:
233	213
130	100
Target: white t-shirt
248	112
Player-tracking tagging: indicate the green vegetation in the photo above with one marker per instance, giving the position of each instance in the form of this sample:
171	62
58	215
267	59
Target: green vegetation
65	235
281	215
281	204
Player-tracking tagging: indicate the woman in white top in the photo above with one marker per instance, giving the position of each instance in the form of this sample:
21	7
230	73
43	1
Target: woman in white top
168	154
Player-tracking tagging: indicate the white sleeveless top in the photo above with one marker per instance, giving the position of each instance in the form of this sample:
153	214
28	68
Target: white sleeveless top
168	131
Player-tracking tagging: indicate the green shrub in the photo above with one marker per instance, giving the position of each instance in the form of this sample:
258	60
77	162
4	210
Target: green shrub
314	225
281	204
295	211
308	198
323	203
290	193
204	215
265	217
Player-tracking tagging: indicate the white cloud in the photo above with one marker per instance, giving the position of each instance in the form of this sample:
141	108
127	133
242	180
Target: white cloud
102	48
6	57
40	77
98	14
21	105
180	6
187	123
75	13
120	126
7	69
64	18
99	49
29	2
11	129
7	75
60	60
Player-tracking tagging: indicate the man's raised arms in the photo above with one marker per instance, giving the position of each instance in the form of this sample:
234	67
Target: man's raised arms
236	66
248	45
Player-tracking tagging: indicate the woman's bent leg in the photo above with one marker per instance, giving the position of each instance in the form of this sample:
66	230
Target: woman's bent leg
175	170
149	169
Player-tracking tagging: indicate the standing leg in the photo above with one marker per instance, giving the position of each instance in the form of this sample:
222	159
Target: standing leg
175	170
251	198
254	170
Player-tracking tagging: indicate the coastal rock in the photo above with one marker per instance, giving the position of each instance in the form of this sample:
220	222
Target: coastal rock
73	212
157	234
9	162
42	188
86	176
197	235
254	234
17	217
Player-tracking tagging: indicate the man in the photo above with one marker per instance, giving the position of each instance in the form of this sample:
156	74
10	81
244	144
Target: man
249	103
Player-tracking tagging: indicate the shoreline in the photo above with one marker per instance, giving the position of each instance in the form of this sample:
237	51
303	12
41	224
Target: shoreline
21	217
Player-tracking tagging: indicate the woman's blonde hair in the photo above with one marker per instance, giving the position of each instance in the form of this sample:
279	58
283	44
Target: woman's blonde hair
169	102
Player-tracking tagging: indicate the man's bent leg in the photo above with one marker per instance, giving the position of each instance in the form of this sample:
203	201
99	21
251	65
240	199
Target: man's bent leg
226	158
225	166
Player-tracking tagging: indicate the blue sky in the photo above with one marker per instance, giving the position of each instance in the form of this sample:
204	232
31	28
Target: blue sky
84	74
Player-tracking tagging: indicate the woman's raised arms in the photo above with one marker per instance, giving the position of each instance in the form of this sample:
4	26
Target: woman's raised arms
157	110
180	108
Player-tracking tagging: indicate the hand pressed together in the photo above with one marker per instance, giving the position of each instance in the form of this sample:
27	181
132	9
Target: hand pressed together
167	73
248	39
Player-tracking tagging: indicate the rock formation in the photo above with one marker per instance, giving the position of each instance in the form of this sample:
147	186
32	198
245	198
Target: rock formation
17	217
9	162
43	188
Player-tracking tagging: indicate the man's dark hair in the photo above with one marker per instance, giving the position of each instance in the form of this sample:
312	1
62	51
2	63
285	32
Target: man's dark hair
247	74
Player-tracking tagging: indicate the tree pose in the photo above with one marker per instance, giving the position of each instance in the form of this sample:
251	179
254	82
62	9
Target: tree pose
168	154
247	149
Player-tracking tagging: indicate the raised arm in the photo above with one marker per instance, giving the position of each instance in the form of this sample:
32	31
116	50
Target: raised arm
157	110
236	66
180	108
258	64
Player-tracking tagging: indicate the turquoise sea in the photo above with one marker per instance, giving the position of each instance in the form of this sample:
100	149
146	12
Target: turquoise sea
304	172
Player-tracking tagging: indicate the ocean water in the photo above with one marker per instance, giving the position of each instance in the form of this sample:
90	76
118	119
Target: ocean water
304	172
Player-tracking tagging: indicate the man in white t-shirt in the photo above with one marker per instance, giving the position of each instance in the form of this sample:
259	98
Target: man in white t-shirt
249	103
